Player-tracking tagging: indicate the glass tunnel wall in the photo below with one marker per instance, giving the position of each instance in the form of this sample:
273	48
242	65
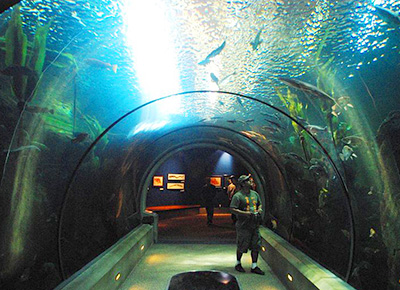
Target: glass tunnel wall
323	137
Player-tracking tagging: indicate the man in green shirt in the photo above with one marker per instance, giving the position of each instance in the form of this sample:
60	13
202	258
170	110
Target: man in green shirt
246	204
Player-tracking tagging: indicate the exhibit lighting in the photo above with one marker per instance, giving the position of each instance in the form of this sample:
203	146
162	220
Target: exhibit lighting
224	164
142	247
290	278
117	276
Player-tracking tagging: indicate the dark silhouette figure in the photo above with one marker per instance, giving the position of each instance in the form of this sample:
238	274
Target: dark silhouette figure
208	195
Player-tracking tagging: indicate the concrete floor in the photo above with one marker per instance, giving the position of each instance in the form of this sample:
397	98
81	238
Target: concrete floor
162	261
186	243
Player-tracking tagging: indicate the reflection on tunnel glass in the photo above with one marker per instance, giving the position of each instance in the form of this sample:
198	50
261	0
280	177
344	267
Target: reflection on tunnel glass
95	94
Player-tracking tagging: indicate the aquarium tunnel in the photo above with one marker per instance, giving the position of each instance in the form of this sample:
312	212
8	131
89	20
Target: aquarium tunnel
115	112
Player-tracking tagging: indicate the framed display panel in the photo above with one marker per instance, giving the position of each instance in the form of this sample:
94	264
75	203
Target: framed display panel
216	181
176	176
175	186
158	181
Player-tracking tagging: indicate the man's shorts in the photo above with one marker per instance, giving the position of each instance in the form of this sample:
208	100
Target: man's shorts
248	240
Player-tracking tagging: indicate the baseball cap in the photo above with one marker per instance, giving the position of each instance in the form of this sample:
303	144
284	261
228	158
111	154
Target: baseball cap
243	178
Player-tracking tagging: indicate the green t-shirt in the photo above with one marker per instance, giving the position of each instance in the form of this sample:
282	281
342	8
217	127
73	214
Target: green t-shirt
246	202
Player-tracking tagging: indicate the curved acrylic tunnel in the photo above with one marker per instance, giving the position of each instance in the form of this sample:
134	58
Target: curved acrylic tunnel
310	89
291	184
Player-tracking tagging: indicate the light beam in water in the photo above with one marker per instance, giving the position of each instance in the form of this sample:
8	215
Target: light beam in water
154	59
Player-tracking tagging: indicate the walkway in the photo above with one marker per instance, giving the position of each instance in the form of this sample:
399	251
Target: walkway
186	243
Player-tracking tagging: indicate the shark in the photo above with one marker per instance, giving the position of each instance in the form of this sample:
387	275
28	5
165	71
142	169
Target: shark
212	54
308	88
257	41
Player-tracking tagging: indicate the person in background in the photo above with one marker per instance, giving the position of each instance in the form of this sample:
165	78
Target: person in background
208	195
253	183
246	204
231	190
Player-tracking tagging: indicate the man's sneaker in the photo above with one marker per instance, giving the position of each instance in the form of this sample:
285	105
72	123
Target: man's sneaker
258	271
239	268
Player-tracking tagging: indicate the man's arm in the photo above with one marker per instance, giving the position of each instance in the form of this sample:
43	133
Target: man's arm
240	212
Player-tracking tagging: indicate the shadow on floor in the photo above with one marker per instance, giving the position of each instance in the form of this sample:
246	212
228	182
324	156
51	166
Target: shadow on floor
194	229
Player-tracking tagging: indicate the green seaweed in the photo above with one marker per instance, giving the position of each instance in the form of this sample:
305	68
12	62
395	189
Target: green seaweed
294	106
16	40
16	51
38	53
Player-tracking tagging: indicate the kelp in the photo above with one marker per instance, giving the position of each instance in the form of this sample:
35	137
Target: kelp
38	53
61	122
16	40
19	52
16	51
297	111
294	106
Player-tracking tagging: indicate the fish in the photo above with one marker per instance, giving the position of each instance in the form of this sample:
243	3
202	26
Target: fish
389	16
214	53
341	103
302	121
239	101
233	121
274	123
80	138
257	41
353	140
249	120
226	77
344	102
267	114
22	148
372	232
275	142
347	153
274	224
101	64
253	134
308	88
214	78
318	170
315	129
303	146
35	109
17	70
271	129
5	4
74	14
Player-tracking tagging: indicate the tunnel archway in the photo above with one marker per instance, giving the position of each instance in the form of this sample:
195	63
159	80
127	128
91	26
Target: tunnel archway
133	163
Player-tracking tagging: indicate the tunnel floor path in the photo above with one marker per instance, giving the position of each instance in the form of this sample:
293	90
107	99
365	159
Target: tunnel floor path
162	261
186	243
